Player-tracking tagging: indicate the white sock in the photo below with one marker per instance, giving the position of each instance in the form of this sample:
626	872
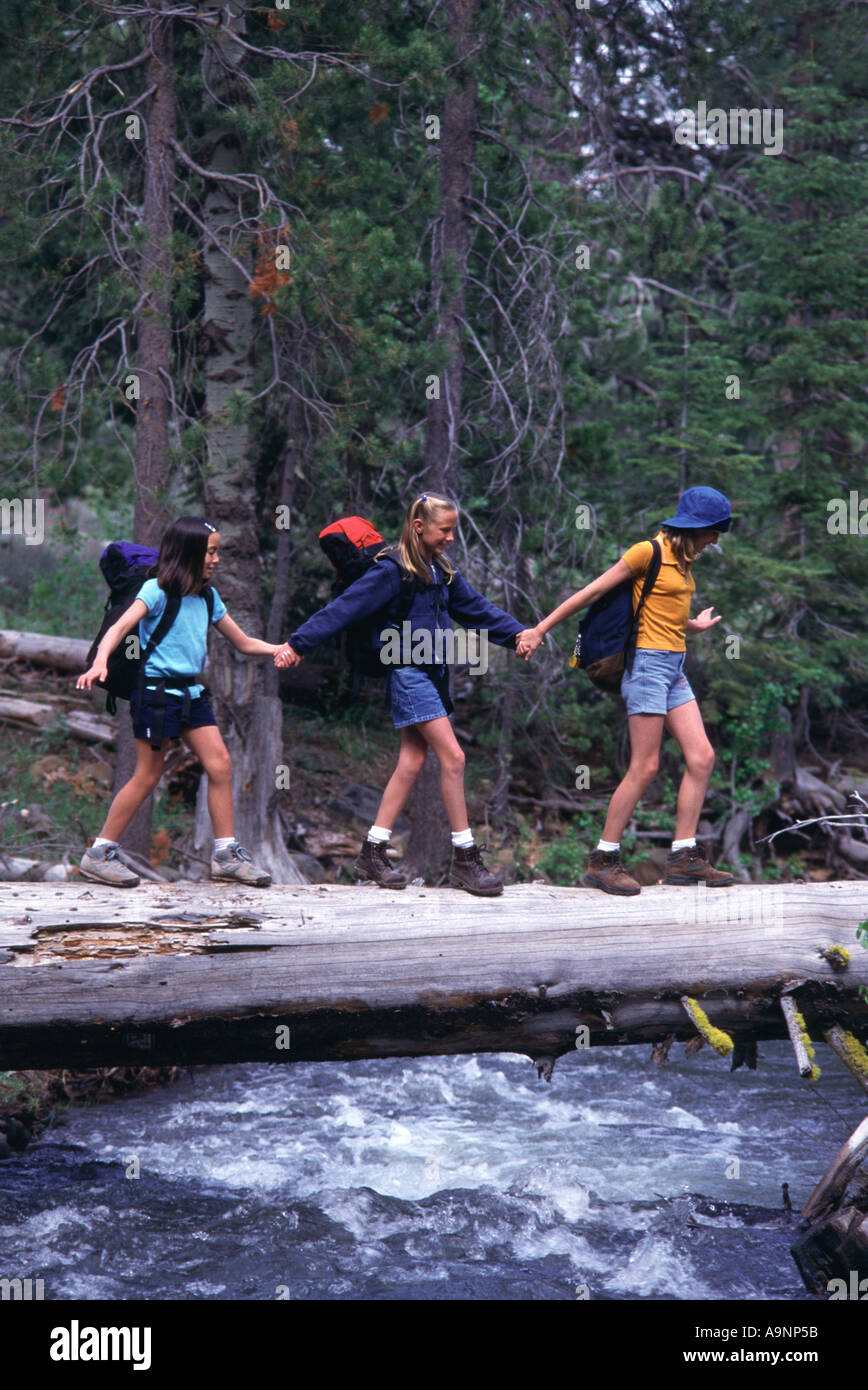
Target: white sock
609	845
224	843
101	841
683	844
462	839
379	834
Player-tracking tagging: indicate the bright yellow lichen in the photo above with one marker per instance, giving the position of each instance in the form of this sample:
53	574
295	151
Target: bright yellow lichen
715	1037
838	956
856	1054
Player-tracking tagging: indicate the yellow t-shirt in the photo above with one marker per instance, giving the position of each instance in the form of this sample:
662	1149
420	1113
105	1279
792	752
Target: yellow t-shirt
666	610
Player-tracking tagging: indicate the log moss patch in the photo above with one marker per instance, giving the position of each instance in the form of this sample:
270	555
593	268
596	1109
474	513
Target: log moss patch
715	1037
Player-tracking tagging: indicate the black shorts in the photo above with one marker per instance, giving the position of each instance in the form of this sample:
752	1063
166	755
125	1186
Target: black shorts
200	714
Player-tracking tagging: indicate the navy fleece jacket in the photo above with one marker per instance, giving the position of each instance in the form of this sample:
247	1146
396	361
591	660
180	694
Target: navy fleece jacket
434	607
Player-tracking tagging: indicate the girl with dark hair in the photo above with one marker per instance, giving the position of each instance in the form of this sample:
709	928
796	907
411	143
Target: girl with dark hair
656	691
418	688
170	702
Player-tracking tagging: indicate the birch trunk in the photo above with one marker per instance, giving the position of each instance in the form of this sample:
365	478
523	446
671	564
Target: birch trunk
249	714
428	844
153	355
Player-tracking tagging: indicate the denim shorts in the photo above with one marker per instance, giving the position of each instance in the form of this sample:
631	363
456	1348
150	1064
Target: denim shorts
201	715
417	694
657	682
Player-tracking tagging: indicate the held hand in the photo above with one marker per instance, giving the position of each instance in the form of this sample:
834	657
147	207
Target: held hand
704	620
285	657
97	672
526	642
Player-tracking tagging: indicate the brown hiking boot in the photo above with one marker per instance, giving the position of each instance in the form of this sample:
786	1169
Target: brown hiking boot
689	866
372	866
469	872
606	871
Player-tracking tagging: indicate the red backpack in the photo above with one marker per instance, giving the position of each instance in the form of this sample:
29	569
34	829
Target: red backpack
351	546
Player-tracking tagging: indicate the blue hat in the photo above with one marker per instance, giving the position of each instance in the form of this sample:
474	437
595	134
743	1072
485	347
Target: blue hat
701	508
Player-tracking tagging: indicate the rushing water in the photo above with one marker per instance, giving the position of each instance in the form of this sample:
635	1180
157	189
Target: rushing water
436	1178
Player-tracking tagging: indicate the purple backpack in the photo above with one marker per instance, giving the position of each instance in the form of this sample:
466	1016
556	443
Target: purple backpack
125	567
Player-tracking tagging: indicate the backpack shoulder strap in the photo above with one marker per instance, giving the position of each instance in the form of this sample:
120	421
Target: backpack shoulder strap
650	580
651	573
168	616
208	596
408	591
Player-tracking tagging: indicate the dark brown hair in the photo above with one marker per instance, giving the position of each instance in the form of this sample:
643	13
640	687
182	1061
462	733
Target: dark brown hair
180	567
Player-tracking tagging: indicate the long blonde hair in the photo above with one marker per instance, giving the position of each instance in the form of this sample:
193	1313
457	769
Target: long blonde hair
423	508
682	546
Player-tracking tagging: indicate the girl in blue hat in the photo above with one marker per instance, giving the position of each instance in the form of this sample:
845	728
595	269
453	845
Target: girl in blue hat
656	690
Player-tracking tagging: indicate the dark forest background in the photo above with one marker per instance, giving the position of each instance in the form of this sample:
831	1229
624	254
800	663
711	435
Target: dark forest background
281	264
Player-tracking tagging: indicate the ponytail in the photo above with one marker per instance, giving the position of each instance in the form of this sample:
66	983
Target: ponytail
423	508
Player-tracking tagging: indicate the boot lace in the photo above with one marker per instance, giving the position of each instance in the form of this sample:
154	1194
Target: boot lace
238	852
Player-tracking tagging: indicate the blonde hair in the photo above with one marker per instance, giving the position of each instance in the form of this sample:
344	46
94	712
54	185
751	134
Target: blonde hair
682	545
423	508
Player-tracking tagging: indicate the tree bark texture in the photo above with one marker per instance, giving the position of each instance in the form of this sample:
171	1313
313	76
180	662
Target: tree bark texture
208	973
245	698
154	352
450	251
428	844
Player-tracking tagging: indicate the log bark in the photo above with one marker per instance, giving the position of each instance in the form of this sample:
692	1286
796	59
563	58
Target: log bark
207	973
42	649
833	1184
28	714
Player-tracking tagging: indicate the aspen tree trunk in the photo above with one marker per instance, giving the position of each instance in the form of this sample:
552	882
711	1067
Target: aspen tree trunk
153	356
428	844
249	718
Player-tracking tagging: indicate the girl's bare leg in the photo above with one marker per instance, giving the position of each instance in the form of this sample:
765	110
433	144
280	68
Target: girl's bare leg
646	731
207	743
411	759
685	724
149	767
439	735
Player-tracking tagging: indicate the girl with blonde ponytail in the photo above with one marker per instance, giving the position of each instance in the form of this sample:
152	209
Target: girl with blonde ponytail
418	686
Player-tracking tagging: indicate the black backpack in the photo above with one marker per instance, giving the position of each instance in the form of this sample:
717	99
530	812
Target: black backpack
607	634
351	546
125	567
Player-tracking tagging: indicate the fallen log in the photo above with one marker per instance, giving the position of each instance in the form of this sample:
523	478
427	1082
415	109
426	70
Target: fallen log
832	1254
43	649
91	976
92	728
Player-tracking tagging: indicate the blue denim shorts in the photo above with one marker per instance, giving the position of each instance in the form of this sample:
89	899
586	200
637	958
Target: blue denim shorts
657	682
417	694
201	715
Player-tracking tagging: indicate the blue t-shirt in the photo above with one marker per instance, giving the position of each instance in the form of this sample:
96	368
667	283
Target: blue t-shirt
185	645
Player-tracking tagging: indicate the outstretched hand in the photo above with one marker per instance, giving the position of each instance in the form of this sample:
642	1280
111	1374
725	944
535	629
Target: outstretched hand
285	657
97	672
703	621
